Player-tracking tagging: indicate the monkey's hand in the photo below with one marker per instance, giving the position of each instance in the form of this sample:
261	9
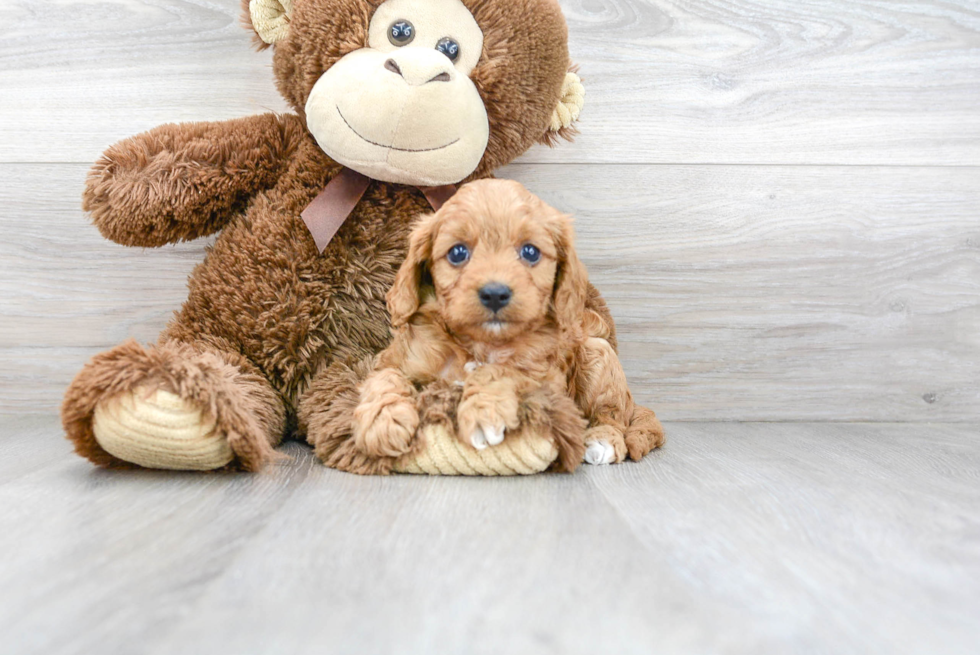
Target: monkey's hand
179	182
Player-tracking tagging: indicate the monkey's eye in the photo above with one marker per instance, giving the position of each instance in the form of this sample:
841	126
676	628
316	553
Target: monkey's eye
449	48
401	33
458	255
530	254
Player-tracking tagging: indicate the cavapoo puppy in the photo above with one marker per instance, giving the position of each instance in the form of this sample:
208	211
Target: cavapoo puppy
492	297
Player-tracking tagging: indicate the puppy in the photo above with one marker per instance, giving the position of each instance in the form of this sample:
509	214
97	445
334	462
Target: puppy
492	297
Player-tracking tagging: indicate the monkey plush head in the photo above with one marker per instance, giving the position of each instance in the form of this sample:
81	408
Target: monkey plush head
423	92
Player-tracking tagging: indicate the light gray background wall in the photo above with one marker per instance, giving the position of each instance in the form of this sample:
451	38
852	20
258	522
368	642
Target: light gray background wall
780	200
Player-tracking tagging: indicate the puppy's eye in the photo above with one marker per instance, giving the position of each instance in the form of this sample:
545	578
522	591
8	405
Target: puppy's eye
401	33
530	254
449	48
458	255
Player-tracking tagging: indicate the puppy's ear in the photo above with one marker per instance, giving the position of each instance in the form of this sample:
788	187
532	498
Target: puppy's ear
403	297
571	279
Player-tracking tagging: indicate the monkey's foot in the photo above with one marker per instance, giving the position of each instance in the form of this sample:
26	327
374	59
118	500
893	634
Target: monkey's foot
159	430
172	406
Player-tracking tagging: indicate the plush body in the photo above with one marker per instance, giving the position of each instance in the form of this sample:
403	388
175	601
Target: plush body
493	300
268	316
265	309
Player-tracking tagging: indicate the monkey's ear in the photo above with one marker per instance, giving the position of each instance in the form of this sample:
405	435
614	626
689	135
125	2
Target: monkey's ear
568	110
403	297
269	19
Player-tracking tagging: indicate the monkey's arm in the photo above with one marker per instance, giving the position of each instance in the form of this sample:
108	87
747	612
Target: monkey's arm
179	182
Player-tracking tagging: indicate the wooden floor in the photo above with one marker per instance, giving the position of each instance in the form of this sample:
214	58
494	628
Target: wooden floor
737	538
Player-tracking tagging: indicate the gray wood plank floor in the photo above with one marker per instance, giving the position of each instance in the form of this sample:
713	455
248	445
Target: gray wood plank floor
736	538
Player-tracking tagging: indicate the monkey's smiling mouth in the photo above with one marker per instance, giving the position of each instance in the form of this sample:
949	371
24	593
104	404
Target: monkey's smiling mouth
389	147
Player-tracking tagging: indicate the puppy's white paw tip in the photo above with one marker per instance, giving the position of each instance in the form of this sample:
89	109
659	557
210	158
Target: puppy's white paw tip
494	435
478	439
600	452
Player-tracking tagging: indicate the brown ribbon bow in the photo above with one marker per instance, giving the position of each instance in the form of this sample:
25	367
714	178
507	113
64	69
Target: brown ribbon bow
329	210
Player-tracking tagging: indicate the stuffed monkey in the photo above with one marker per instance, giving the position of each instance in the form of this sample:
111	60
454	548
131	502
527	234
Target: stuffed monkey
395	102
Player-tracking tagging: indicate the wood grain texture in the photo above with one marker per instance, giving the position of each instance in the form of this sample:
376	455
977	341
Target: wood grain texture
735	538
760	291
741	293
739	81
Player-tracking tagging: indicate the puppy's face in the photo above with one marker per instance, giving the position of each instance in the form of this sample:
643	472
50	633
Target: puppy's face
493	264
501	263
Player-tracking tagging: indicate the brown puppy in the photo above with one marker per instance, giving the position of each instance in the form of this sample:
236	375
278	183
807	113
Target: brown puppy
493	297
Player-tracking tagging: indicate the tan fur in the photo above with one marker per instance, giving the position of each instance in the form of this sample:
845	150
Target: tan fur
545	349
491	396
385	418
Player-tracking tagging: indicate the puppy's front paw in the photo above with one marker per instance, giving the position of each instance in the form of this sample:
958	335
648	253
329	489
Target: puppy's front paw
604	444
386	419
385	430
483	436
483	418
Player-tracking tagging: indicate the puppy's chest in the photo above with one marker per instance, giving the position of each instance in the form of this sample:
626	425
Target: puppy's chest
456	368
458	365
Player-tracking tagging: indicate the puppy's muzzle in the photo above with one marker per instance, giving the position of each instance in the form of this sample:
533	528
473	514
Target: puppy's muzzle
495	296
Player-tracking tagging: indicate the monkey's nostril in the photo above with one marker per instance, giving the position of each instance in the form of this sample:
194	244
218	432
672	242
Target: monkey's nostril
393	67
495	296
441	77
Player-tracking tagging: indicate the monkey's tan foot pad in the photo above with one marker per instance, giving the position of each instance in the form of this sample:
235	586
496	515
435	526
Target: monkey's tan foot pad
159	430
524	453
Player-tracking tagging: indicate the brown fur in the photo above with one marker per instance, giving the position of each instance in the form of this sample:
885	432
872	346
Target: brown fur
542	411
244	406
545	352
142	192
265	303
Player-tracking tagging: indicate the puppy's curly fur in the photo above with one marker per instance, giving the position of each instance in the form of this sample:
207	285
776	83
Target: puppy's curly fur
535	335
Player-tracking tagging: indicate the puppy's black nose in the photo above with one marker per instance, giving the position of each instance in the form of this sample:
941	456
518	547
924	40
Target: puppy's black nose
495	296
